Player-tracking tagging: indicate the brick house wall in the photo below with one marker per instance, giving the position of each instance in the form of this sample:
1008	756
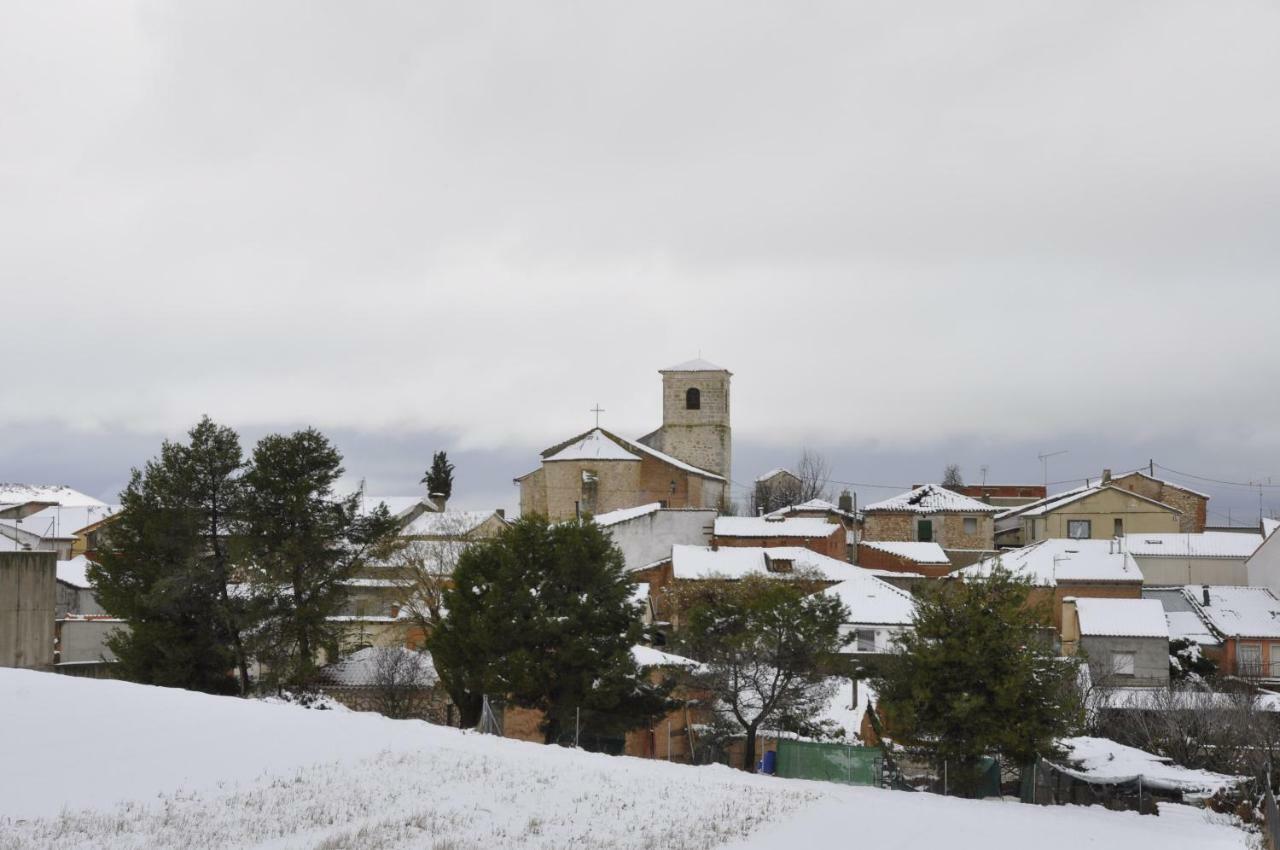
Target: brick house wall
833	545
878	559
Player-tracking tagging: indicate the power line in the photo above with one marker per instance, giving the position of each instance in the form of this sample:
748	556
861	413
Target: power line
1250	485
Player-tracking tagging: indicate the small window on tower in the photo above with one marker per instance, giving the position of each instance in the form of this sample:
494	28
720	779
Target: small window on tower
693	399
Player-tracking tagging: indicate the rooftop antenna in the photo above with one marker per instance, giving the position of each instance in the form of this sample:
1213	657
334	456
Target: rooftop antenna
984	469
597	410
1044	463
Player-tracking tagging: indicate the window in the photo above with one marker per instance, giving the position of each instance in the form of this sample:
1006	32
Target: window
693	399
1118	531
1079	529
971	525
1275	661
924	531
866	640
1249	659
1122	663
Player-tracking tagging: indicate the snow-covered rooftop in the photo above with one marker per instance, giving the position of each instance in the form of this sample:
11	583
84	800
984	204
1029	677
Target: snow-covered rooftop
778	470
753	526
61	520
695	365
1139	473
929	499
1209	544
920	553
1071	496
609	518
1050	561
734	562
445	524
593	445
73	571
873	601
61	494
812	506
362	668
1187	625
1269	526
1103	760
396	505
1121	618
647	656
1250	612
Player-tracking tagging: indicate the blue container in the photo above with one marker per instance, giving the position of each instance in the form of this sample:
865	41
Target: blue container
769	764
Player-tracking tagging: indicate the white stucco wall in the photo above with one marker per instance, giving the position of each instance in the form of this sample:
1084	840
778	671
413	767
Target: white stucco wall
649	538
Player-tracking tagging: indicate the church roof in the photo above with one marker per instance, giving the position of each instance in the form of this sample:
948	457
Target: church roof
697	365
599	444
593	445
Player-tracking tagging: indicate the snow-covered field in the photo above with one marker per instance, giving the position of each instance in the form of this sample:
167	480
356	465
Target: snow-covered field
94	764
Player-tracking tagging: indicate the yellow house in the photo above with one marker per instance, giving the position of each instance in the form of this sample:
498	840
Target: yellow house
1098	513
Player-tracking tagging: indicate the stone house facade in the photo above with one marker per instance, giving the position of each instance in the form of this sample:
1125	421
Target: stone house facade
1193	507
932	514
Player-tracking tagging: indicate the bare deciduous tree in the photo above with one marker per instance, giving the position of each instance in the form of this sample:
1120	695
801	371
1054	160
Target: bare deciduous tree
951	476
402	680
811	480
424	567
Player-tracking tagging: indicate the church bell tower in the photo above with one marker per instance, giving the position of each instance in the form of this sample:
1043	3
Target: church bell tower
695	415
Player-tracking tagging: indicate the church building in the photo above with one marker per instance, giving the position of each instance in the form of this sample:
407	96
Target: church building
683	464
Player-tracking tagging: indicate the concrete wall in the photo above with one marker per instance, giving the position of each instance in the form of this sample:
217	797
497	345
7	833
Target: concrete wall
648	539
1150	659
28	597
1263	567
1164	570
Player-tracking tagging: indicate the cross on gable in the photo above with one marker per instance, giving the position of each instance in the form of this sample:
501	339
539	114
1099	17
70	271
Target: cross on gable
597	410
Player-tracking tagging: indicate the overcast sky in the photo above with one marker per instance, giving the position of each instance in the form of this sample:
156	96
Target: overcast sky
915	232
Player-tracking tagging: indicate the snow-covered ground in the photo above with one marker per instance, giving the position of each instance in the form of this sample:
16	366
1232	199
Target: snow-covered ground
95	764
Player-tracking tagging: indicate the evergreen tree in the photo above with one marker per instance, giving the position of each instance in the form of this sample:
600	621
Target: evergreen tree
768	647
439	478
978	676
542	615
305	544
168	563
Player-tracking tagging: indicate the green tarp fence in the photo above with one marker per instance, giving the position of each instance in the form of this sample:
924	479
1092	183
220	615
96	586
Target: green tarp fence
842	763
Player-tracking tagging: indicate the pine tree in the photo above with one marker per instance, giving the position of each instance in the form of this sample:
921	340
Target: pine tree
977	676
439	478
305	543
768	646
168	563
542	615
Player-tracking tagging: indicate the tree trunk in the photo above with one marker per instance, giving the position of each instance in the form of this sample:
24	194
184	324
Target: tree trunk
749	753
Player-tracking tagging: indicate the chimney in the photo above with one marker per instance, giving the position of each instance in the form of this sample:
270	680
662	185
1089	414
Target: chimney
1204	590
846	502
1070	626
501	512
1106	477
439	500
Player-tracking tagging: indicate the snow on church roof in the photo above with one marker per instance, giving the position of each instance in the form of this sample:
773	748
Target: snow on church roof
58	494
696	365
593	445
932	498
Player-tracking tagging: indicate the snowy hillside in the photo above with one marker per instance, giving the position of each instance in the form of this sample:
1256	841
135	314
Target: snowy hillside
93	764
